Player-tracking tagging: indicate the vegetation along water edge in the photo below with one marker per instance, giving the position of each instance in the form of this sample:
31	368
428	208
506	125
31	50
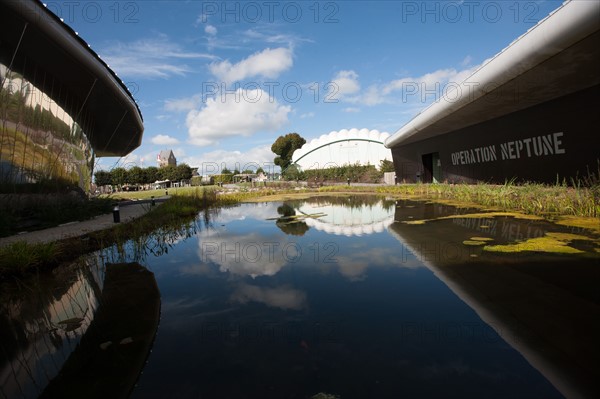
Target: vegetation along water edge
575	206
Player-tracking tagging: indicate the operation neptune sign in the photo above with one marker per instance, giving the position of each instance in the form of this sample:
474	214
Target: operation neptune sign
539	146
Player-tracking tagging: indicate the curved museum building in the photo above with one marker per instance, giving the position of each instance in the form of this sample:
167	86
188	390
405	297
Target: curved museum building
346	147
529	113
60	104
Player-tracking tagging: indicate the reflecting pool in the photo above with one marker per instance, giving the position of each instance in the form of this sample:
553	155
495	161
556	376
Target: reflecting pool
330	295
369	297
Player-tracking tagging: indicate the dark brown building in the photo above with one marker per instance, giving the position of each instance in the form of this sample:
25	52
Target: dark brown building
530	113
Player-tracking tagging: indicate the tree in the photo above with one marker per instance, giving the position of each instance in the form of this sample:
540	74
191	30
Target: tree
293	173
151	174
260	170
119	176
168	172
135	175
184	171
386	166
102	178
225	171
284	147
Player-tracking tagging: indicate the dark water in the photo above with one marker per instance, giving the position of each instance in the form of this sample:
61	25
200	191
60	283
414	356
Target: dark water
351	303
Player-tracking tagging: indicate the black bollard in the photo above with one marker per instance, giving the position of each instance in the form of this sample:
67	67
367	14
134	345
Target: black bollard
348	181
116	214
166	192
152	200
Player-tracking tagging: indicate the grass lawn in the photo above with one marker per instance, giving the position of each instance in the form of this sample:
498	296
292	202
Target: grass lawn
137	195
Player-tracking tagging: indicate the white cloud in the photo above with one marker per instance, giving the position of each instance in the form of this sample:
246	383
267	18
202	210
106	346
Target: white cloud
163	139
355	265
243	113
285	297
212	162
274	37
269	63
466	61
343	84
149	58
351	110
307	115
409	90
182	104
211	30
255	254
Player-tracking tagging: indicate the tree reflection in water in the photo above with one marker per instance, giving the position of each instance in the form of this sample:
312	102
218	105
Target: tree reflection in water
289	225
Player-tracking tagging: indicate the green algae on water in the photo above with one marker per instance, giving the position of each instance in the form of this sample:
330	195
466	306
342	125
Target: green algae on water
580	221
473	242
557	243
476	241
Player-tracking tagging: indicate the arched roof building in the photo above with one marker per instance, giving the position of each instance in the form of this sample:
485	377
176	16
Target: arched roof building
343	147
363	219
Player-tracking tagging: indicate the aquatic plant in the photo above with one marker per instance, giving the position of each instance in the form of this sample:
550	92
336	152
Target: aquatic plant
530	198
20	257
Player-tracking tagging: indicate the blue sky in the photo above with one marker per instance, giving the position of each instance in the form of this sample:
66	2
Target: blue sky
218	82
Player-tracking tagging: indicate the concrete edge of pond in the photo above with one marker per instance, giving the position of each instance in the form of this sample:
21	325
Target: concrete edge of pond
112	353
128	211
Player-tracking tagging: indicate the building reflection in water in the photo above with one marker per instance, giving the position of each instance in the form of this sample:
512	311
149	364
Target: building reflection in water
39	330
348	217
40	140
544	305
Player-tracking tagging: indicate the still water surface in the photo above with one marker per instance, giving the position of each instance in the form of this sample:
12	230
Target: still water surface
337	295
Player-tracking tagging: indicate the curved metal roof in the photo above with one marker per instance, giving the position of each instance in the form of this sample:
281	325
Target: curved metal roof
556	57
56	49
337	136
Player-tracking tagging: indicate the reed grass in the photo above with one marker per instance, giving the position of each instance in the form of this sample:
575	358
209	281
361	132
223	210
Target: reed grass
529	198
21	257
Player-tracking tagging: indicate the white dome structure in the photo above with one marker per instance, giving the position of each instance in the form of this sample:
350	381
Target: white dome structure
349	221
346	147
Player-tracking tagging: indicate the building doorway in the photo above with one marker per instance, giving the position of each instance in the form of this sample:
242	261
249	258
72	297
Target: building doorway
432	168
